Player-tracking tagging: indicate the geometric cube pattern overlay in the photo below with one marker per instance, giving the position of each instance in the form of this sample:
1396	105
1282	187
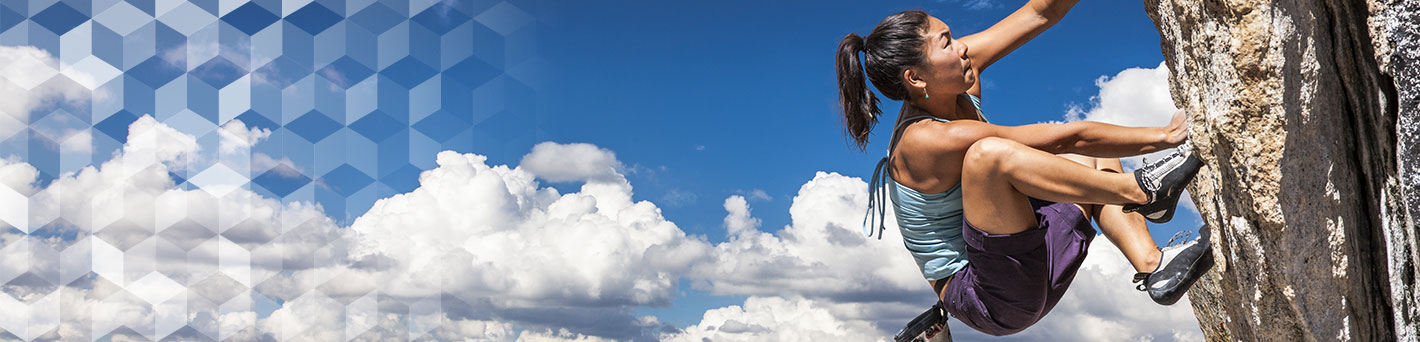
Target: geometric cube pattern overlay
355	97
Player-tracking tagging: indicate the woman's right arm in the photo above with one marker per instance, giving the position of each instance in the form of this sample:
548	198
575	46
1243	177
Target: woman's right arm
1095	139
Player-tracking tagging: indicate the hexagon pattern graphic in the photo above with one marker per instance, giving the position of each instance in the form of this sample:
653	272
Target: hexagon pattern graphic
317	107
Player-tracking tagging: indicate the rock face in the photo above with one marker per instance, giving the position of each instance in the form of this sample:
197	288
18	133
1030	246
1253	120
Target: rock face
1308	115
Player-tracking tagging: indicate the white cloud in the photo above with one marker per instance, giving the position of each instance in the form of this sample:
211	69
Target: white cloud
1135	97
562	335
528	244
777	319
476	251
472	241
821	253
572	162
25	74
823	257
236	137
739	222
74	140
17	175
64	133
131	221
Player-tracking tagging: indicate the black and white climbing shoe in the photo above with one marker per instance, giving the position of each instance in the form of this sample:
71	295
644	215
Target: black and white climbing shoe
1179	267
1164	182
930	326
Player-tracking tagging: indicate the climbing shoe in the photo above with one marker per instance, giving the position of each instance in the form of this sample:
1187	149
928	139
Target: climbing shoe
1164	182
930	326
1179	267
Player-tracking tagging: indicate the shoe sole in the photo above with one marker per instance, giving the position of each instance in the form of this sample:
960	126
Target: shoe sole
1157	216
1195	272
1166	215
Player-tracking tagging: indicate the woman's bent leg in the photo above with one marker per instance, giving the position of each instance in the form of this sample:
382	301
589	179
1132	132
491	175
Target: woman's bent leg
1128	231
998	174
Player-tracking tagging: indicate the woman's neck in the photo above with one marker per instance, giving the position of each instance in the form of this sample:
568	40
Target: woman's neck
949	109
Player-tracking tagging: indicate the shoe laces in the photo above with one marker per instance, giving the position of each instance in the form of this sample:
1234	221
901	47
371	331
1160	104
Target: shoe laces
1154	173
1179	238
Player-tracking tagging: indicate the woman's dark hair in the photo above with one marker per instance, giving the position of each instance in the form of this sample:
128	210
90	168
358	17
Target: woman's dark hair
895	44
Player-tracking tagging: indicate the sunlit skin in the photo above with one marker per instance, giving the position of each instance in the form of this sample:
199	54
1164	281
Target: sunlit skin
948	70
921	163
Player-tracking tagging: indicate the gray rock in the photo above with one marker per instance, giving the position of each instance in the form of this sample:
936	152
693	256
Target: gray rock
1306	112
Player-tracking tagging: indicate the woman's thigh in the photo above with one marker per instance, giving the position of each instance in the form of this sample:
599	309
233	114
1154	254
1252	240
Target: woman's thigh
989	200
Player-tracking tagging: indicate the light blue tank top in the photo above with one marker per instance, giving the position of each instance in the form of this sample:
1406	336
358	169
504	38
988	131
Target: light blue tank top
931	224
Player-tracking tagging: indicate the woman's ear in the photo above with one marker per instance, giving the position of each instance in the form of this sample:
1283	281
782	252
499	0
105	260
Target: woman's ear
913	80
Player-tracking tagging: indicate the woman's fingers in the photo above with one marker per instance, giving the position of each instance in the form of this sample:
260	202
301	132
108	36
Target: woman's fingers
1178	127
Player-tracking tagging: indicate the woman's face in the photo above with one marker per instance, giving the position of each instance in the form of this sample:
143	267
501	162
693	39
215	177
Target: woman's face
947	71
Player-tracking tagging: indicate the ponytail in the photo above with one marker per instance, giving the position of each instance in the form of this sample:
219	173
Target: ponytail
897	45
860	106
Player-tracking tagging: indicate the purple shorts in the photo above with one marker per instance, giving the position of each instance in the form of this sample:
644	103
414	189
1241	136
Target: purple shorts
1014	280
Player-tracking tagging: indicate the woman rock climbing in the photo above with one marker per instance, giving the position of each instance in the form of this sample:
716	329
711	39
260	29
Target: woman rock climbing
998	217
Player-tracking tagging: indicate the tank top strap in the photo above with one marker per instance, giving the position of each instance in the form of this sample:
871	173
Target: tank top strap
877	210
903	125
976	102
877	185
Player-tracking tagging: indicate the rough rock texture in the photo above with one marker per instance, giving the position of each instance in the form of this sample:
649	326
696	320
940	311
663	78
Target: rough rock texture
1306	113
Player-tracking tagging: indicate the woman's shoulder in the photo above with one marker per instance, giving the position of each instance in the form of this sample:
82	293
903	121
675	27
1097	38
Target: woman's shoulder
933	136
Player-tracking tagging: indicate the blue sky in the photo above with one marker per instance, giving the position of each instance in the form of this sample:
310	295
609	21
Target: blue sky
622	170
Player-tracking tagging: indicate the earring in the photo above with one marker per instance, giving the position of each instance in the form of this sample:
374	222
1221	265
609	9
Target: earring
925	95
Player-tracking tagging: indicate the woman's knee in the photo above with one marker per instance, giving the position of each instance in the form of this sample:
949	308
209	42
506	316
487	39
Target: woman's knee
990	153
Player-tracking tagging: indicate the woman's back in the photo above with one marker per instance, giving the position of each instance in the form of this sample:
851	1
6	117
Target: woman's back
918	165
930	221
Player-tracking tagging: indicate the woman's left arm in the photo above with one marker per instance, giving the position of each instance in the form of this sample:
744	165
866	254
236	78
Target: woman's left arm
986	47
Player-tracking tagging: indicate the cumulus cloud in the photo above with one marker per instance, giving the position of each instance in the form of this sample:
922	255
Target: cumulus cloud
562	335
65	133
127	252
505	235
236	137
477	251
821	253
30	78
822	261
777	319
77	141
17	175
572	162
739	221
